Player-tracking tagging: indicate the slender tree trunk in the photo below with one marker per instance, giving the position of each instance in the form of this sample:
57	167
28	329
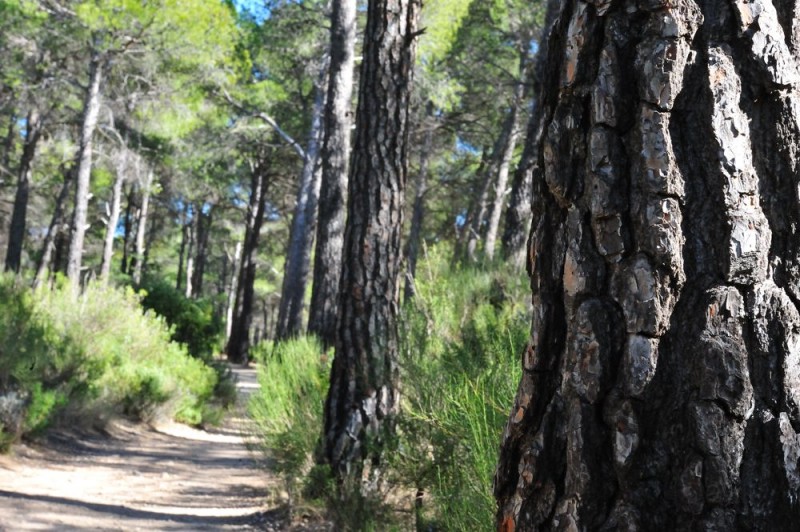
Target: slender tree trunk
363	396
141	227
334	158
184	241
506	156
418	211
661	384
518	214
238	348
16	237
201	255
190	241
232	290
49	245
128	229
301	235
113	219
477	216
91	110
8	141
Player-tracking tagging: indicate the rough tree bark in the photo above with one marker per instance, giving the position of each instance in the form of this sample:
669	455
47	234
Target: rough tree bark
661	384
504	165
334	157
363	398
301	235
91	109
113	216
238	347
418	210
16	234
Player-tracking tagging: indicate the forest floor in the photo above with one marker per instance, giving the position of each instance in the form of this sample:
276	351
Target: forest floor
135	477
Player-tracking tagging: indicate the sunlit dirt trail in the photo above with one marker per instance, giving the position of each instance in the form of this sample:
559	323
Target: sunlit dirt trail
170	478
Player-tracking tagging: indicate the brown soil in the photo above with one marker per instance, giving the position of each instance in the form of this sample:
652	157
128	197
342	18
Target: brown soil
168	477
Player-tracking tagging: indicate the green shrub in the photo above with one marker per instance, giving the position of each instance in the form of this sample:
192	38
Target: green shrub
193	320
96	355
288	408
461	338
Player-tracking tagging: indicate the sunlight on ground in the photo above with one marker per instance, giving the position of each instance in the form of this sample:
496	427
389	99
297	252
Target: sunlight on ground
188	433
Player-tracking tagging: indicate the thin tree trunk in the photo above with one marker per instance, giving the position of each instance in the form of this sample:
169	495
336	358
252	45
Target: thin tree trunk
238	347
334	158
113	218
363	397
128	229
418	212
91	110
477	217
661	384
190	239
16	237
301	235
141	227
506	156
201	255
49	245
518	214
184	242
232	290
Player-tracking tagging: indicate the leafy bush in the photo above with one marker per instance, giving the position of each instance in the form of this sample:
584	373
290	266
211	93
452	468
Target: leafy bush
194	322
99	354
288	408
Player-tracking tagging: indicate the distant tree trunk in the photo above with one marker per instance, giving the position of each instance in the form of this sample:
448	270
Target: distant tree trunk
477	212
184	242
661	384
16	237
49	245
334	158
141	228
203	230
127	227
113	218
238	348
190	242
506	155
301	235
363	397
8	141
418	211
91	109
232	290
518	214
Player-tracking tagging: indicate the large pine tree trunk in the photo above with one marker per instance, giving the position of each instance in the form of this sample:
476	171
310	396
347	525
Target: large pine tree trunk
91	109
301	235
334	162
16	236
661	384
363	397
238	347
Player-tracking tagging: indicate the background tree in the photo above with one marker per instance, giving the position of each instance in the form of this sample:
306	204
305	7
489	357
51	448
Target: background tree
660	382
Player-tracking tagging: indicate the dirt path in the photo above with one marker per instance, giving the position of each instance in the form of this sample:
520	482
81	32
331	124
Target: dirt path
172	478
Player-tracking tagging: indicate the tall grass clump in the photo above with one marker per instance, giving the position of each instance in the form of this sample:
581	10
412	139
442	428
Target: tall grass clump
288	408
90	358
461	338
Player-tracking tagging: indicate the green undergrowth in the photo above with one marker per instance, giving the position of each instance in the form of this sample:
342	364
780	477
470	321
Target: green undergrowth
293	377
87	359
460	340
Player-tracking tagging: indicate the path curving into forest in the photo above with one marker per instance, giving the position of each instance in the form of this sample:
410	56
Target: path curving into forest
169	478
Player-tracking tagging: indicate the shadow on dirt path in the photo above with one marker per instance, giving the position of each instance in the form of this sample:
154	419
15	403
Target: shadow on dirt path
171	477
